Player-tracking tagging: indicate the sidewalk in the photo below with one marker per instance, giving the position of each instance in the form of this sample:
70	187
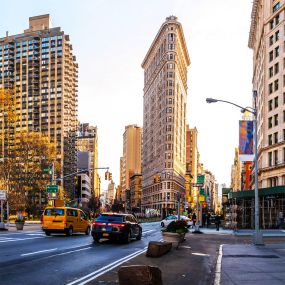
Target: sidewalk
28	226
249	264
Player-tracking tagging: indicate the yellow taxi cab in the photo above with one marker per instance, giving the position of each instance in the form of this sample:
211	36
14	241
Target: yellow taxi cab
65	220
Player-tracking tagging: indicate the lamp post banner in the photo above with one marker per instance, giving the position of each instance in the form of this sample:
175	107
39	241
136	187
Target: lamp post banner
246	140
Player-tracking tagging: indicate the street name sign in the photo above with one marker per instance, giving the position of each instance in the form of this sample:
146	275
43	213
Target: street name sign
200	178
52	188
3	195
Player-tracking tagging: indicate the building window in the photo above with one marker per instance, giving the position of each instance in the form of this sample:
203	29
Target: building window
276	85
276	7
277	19
283	134
276	68
271	40
283	97
270	140
276	120
269	122
277	36
283	154
270	72
284	116
276	51
270	158
271	56
276	137
276	102
271	24
270	105
270	88
275	157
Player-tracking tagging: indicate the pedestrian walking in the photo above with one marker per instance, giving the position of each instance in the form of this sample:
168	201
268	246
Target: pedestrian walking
194	219
217	222
204	219
208	220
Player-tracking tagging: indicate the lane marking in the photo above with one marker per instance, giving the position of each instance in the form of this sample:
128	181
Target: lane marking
107	268
200	254
40	251
148	231
219	267
68	252
17	239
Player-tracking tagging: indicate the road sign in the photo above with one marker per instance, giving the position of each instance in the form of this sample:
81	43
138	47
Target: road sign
200	179
52	188
202	191
3	195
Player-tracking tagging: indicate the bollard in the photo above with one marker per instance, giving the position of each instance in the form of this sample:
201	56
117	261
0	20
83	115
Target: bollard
139	275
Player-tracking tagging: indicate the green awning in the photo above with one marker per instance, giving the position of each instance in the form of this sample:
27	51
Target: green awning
262	192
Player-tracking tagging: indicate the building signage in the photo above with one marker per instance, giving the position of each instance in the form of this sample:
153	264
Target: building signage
246	140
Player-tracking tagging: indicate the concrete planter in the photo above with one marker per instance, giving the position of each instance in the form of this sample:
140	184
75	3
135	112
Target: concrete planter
19	225
174	238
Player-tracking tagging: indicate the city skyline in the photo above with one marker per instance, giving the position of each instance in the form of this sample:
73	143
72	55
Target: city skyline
110	51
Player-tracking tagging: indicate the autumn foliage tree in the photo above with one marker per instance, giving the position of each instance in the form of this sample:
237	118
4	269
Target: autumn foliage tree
24	155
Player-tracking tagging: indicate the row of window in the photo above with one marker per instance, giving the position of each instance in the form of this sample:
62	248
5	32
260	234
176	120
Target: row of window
273	158
273	138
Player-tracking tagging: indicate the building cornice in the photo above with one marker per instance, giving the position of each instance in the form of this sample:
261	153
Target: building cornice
253	23
165	24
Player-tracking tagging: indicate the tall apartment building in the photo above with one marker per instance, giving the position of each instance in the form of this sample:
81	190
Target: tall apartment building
192	161
87	140
266	39
131	160
236	172
42	68
164	118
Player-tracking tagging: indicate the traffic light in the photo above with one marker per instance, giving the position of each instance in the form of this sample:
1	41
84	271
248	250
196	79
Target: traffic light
110	176
107	175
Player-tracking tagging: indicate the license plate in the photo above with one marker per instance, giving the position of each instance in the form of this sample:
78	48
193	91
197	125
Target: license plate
105	235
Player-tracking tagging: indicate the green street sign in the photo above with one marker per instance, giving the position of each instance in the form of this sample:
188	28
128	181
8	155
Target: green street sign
200	178
202	192
52	188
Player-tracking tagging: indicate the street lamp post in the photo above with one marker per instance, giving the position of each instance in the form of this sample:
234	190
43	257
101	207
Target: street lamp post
257	238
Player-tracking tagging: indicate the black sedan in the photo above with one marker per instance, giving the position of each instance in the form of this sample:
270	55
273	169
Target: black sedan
116	226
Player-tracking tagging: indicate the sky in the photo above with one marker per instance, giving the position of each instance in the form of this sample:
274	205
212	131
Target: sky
110	39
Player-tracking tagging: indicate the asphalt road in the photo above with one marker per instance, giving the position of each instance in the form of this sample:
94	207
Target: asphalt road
30	257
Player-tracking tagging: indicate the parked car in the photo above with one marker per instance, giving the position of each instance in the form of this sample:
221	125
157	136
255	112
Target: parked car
165	222
65	220
116	226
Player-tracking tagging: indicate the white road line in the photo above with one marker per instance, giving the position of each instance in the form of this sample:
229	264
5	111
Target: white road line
148	231
71	251
17	239
106	268
201	254
219	267
40	251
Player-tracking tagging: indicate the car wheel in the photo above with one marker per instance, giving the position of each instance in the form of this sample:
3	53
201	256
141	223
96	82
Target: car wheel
127	238
96	239
69	231
139	236
162	224
87	232
47	233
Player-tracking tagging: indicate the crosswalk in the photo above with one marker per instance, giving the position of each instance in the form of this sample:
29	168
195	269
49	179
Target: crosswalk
28	235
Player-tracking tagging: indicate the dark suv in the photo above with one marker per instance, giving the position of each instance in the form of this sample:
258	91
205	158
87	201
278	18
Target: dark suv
116	226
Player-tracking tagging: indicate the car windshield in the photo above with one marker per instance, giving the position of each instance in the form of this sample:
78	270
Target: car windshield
110	218
54	212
